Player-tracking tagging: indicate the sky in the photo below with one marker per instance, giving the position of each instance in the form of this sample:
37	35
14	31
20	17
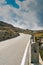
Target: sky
26	14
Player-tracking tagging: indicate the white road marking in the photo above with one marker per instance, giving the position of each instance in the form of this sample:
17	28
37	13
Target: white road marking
25	53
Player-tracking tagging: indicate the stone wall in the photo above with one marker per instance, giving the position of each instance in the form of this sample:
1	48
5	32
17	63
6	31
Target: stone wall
35	53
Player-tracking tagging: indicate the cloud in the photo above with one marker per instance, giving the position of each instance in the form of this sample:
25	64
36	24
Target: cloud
40	17
2	1
37	7
28	15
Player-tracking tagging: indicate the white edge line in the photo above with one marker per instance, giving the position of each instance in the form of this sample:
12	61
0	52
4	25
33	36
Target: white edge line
25	53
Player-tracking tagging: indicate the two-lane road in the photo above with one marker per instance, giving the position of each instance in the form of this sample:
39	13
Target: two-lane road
12	51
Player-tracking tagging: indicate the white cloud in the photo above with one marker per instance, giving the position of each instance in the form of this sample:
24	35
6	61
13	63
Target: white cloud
2	1
19	18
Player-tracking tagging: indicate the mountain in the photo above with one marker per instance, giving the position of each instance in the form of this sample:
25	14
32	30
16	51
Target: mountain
5	26
7	31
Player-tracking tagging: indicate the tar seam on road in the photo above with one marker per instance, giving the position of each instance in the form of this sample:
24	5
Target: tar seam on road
25	53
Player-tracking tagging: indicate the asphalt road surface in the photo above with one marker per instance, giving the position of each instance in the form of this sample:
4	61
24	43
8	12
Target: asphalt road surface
12	50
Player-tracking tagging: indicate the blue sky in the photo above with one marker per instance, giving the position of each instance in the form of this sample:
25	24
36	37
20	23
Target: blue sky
12	3
22	13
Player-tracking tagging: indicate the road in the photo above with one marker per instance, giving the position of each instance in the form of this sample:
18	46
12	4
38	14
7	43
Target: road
12	51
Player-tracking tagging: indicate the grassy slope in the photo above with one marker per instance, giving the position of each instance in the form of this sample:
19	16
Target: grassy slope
7	31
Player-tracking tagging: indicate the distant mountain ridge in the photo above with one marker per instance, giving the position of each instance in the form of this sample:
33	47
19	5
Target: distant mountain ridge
16	29
8	31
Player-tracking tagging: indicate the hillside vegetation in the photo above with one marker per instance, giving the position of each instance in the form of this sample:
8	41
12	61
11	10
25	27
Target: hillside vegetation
38	34
8	31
